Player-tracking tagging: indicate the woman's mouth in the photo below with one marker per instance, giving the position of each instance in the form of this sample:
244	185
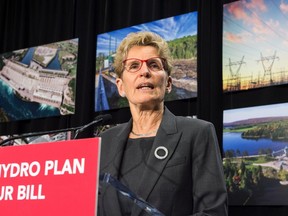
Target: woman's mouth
145	86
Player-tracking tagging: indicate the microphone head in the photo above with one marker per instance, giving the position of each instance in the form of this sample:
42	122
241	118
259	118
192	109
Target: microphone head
104	117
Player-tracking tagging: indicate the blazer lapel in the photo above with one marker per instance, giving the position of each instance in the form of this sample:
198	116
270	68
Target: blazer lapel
112	206
168	137
115	155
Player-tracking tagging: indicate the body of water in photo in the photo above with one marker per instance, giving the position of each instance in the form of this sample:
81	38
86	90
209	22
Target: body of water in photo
17	109
270	194
234	141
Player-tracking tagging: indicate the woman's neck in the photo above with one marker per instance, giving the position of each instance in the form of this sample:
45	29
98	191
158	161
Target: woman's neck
146	122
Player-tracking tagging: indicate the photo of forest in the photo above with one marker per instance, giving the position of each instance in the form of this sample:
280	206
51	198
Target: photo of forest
181	34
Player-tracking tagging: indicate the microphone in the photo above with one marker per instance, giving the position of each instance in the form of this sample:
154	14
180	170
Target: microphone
77	130
98	119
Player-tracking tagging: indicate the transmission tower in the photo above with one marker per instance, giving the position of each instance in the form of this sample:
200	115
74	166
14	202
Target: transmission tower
268	68
234	83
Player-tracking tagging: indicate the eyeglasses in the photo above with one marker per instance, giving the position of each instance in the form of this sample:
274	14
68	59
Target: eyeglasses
133	65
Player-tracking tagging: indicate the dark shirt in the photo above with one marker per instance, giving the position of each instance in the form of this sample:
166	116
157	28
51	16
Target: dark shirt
133	163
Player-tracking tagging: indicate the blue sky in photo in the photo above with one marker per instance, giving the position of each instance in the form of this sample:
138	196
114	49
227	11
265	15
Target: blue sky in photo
273	110
168	28
255	30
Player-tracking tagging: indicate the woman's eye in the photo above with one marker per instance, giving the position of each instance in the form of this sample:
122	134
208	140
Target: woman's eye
154	65
134	66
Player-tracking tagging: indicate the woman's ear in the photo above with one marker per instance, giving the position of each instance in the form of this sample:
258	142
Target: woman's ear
119	84
169	84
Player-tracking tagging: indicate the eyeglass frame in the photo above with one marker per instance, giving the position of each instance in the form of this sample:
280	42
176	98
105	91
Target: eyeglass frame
163	62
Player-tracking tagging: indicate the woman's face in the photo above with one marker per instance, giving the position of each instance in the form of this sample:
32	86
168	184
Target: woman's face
145	86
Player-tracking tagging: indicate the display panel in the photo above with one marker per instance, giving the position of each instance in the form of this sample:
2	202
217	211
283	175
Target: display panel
255	144
38	82
255	46
180	32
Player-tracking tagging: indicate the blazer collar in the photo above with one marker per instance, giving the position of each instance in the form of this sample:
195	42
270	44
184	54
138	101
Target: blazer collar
167	136
112	206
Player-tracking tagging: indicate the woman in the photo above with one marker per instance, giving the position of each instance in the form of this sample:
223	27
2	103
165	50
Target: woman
172	162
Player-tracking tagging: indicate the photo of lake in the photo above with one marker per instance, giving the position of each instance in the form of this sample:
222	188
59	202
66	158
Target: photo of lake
255	144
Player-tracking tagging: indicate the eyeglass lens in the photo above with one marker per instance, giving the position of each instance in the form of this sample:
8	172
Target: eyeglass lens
133	65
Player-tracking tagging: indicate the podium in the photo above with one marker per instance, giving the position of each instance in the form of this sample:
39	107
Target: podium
55	178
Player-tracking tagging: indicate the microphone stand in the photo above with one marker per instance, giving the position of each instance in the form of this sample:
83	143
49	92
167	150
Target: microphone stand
76	130
25	135
79	130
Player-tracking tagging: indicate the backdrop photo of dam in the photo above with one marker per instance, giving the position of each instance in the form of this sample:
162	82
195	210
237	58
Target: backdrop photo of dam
38	82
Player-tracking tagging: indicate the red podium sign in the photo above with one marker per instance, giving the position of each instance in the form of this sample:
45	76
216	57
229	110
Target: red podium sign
59	178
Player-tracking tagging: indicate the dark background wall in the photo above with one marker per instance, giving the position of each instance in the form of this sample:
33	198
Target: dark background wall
27	23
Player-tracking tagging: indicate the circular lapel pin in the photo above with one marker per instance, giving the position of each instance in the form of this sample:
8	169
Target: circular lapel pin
161	152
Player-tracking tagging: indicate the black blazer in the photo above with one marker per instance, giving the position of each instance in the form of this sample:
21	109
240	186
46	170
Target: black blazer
189	181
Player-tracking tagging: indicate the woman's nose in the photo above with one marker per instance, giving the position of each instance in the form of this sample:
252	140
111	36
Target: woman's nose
145	71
